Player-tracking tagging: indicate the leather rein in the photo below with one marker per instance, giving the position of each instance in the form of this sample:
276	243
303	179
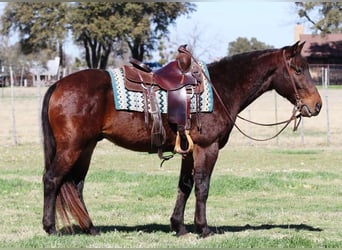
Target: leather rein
293	116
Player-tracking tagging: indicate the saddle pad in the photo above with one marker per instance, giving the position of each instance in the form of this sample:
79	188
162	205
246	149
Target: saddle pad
134	101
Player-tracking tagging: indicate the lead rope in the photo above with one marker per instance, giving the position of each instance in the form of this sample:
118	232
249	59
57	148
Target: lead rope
286	122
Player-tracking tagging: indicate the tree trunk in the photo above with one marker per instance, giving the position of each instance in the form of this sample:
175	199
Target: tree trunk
137	49
105	56
87	53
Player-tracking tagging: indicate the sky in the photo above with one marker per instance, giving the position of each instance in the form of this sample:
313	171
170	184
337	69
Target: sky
214	24
218	23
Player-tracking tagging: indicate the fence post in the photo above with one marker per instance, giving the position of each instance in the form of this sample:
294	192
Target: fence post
250	141
325	83
14	127
276	116
39	105
302	132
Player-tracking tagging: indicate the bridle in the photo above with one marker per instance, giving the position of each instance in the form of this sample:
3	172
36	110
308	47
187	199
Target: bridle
294	116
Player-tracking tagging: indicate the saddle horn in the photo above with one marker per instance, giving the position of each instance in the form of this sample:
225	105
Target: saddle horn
183	58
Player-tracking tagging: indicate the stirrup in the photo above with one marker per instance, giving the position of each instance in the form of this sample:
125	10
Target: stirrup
178	149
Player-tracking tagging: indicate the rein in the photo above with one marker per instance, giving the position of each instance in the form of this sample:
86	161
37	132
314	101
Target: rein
286	122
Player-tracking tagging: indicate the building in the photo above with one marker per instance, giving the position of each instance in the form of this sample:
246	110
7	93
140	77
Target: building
322	51
4	76
30	77
46	74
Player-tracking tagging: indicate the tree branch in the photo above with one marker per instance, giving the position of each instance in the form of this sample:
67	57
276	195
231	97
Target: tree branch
305	14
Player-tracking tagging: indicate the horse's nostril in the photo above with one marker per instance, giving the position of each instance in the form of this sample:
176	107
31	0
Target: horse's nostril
318	107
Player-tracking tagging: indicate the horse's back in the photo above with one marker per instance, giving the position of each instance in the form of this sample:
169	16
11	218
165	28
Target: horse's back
87	79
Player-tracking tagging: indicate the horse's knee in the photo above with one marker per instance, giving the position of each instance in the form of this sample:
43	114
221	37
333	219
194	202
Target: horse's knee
185	184
201	186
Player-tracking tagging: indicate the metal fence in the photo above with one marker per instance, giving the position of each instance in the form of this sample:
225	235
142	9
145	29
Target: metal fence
20	116
334	73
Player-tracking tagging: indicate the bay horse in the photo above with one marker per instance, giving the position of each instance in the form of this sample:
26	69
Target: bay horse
78	111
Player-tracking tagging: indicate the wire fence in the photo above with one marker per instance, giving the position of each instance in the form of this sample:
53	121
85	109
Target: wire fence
20	120
334	72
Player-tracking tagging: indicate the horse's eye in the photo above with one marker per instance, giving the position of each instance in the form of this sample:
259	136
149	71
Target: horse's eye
298	70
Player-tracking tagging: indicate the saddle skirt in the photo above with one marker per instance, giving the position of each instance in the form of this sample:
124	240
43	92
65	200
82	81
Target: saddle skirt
130	100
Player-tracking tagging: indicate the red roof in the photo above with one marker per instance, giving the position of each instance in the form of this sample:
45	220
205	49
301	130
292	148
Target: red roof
318	46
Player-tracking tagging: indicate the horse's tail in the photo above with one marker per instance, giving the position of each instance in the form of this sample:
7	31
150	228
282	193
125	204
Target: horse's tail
49	139
68	201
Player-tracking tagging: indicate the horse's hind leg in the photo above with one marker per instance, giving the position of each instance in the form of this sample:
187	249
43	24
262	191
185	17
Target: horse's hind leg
52	181
51	186
185	185
79	173
63	181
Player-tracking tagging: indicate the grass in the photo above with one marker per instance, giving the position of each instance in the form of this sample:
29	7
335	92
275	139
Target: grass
256	200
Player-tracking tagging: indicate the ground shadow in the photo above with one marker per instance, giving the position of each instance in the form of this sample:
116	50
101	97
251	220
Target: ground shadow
297	227
151	228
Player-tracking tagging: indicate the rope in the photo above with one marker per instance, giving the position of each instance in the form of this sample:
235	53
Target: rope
286	122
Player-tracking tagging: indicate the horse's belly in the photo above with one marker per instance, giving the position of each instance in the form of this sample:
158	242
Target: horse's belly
128	130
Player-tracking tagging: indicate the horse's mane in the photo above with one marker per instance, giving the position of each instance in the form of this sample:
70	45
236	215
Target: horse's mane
244	56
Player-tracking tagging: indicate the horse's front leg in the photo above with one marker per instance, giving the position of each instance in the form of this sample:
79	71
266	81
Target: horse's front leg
204	161
185	185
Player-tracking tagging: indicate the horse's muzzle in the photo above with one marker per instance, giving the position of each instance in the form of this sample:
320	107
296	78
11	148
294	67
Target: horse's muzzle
306	111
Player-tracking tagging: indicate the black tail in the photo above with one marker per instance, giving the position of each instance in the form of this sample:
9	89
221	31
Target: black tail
49	139
67	200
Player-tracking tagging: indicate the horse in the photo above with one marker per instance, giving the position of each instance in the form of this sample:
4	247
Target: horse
78	111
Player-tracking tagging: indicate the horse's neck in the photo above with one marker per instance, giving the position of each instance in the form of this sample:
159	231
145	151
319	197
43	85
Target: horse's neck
245	80
256	86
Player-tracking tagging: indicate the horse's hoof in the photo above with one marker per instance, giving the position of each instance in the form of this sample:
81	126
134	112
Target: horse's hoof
182	232
178	227
206	232
50	230
93	231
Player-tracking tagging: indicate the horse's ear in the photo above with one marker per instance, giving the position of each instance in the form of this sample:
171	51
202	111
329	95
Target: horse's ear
300	47
295	49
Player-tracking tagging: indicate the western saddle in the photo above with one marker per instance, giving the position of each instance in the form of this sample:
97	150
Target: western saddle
181	79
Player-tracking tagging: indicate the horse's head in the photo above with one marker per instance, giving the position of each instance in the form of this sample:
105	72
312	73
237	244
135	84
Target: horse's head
295	83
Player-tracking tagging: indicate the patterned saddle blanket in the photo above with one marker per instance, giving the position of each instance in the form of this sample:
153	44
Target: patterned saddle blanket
128	100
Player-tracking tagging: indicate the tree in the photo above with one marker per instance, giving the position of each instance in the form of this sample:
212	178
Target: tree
96	26
150	23
11	56
41	26
8	54
325	17
99	27
242	45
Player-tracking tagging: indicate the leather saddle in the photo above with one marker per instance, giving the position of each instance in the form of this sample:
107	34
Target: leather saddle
179	78
175	75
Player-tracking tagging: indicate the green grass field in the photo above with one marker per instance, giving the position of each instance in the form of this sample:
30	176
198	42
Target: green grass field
259	197
285	194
